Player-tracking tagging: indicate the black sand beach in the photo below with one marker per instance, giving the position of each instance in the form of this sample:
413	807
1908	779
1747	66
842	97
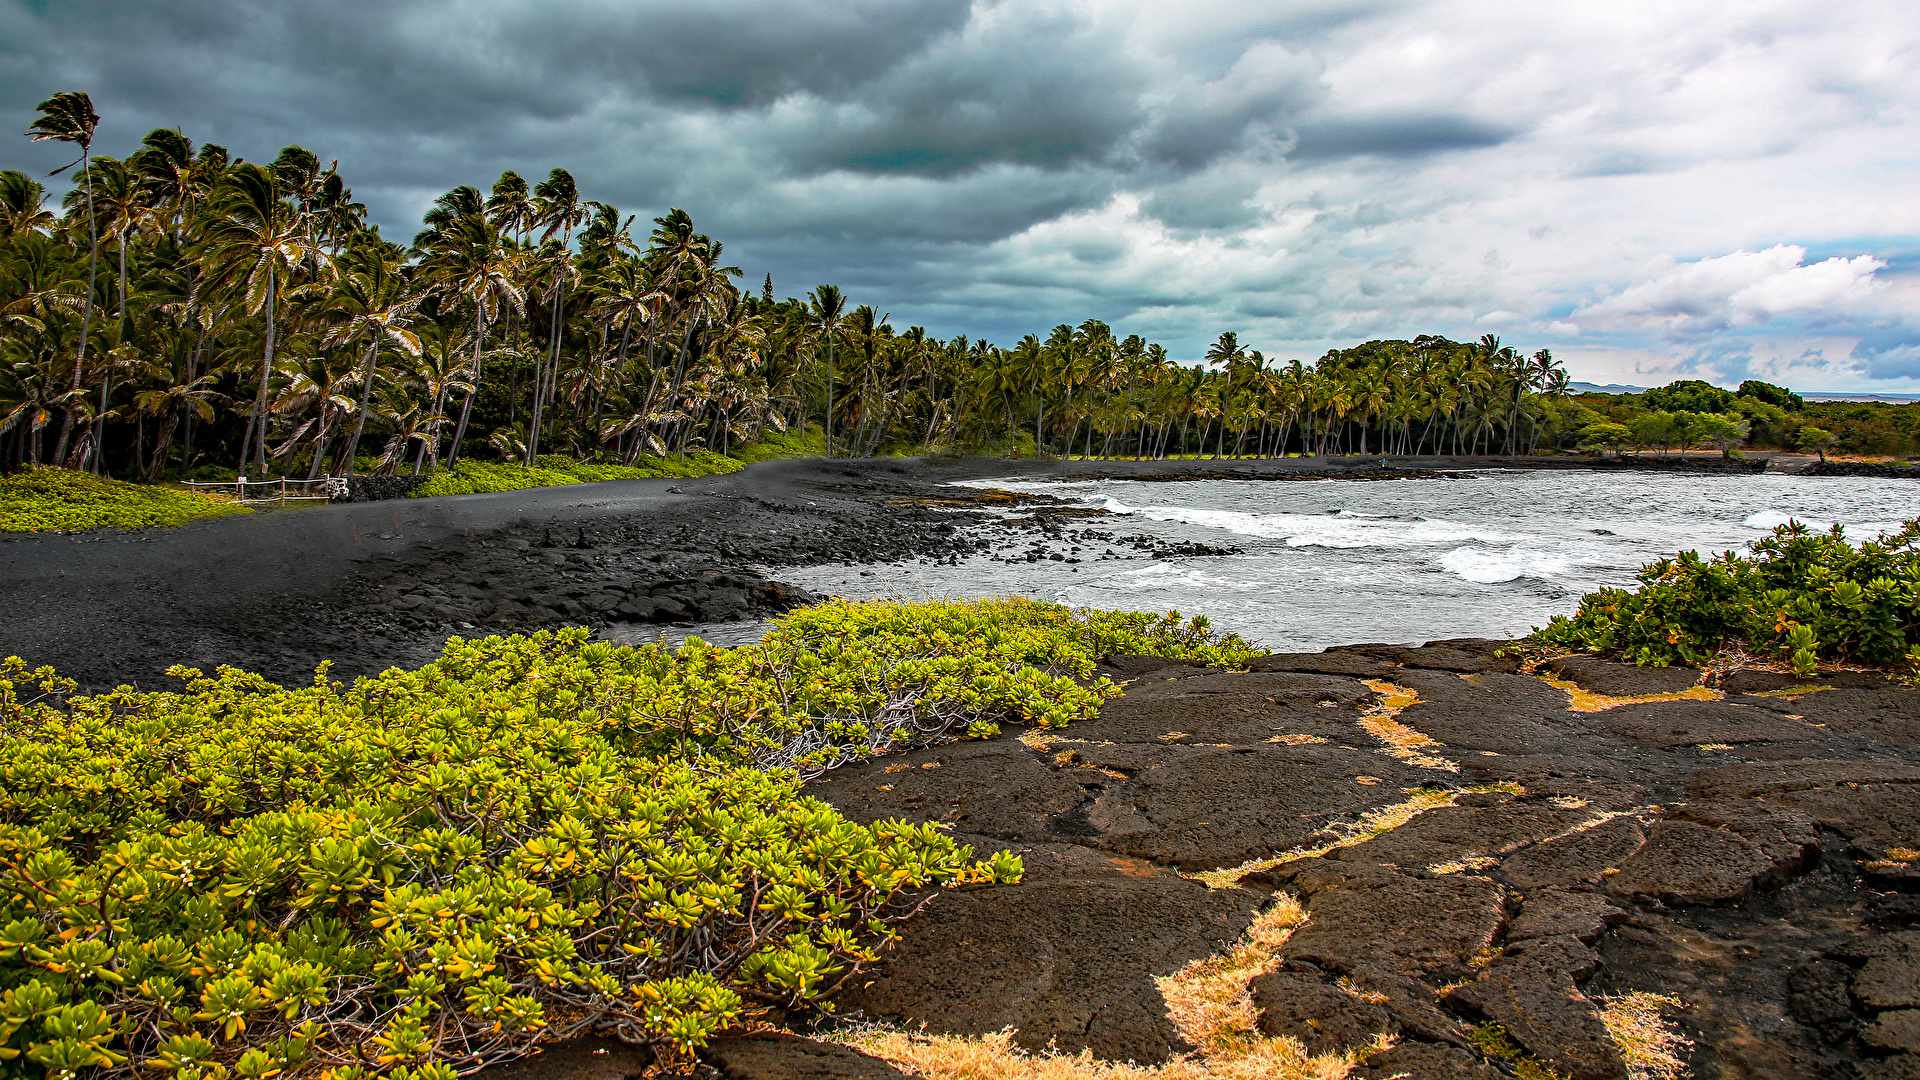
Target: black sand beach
372	585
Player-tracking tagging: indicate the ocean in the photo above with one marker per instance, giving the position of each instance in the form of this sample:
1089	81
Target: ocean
1331	562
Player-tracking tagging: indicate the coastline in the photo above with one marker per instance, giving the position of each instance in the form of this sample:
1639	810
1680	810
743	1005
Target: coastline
373	585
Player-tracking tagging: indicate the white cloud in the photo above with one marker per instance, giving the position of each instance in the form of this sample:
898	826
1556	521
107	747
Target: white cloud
1646	186
1744	288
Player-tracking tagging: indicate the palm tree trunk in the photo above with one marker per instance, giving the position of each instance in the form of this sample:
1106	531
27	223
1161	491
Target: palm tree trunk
366	389
466	406
540	387
86	308
106	384
258	431
319	444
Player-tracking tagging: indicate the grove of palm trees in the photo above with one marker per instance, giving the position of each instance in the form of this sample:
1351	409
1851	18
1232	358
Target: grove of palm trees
191	313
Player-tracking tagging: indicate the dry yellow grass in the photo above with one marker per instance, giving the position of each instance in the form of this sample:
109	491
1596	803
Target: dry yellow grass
1398	739
1207	1001
1380	821
1587	701
1653	1047
1790	692
994	1057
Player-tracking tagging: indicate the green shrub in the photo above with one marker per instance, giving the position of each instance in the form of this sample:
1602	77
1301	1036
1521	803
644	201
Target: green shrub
48	498
434	869
1801	595
435	866
773	445
467	476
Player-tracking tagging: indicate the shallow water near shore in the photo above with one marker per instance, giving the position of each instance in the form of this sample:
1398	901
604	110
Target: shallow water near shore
1333	562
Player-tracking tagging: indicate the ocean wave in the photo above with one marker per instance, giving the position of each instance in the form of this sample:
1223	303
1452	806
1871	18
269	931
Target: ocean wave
1490	567
1160	575
1321	530
1768	520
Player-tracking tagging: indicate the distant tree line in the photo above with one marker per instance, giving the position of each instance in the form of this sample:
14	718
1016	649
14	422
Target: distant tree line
1692	414
188	312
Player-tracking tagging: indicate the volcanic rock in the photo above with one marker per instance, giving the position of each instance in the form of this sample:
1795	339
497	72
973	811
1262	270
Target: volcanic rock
1691	723
1579	858
1464	836
1067	961
1686	863
1325	1018
1556	912
1535	998
1425	1061
779	1056
1896	1030
1366	918
1622	680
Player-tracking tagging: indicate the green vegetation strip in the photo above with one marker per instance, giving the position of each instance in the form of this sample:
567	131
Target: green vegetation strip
469	477
1801	596
46	499
429	870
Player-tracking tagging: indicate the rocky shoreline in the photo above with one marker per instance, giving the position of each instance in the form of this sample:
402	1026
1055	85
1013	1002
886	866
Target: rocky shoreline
1746	850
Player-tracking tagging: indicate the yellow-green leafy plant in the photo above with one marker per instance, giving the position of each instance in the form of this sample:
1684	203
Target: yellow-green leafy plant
46	499
551	470
1801	595
531	836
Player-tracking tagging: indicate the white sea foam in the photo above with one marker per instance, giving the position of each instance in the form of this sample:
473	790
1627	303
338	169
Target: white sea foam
1335	530
1490	567
1768	520
1162	575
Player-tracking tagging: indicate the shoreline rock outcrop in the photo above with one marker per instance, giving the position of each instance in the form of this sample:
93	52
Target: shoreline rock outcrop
1490	860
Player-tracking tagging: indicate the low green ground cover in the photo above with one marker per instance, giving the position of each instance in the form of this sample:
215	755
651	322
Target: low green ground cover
429	870
549	470
1803	596
43	499
792	443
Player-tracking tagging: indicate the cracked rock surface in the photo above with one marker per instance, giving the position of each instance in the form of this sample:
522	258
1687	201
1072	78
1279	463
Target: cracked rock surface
1755	856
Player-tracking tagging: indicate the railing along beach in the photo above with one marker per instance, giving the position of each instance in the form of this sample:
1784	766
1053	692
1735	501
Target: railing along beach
322	489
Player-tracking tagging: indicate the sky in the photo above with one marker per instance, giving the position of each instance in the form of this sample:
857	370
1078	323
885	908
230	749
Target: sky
1653	190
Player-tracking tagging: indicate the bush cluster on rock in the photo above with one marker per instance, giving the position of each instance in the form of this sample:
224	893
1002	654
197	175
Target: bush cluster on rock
1801	595
531	836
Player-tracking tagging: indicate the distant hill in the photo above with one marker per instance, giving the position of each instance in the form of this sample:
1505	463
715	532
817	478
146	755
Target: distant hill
1891	399
1810	395
1610	388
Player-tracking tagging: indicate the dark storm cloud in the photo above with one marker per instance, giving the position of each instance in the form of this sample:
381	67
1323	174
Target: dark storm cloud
1395	136
1034	86
1211	200
1297	169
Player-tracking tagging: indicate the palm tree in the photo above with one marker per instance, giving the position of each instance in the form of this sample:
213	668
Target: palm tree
436	374
69	117
560	211
826	311
254	242
173	401
124	206
469	260
370	301
511	208
22	204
